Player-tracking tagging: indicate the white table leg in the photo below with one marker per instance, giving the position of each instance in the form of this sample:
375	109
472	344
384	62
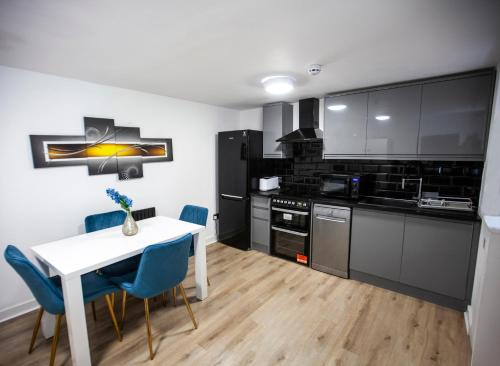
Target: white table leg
200	267
48	320
75	319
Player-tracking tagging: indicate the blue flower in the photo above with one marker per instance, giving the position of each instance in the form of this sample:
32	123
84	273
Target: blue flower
120	199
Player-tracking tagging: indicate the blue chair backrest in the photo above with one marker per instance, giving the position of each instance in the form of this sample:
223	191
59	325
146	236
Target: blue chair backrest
47	294
104	220
162	267
194	214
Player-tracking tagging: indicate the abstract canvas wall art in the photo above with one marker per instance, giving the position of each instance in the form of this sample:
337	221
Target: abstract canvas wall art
105	149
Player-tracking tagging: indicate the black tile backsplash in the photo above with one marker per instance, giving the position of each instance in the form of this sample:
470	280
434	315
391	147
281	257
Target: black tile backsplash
448	178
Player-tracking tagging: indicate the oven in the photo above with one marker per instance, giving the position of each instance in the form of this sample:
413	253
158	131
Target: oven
290	228
342	185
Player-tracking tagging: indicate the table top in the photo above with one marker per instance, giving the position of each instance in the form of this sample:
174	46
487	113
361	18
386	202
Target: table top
87	252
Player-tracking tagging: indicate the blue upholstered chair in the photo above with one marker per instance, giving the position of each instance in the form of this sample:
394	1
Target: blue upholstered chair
47	291
162	267
195	215
104	221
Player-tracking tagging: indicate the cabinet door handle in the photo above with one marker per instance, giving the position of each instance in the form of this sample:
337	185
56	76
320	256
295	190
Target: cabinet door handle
325	218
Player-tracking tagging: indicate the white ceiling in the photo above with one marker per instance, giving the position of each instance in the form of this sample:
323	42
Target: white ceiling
216	52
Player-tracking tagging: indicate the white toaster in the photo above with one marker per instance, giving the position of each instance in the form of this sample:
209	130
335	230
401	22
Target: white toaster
268	183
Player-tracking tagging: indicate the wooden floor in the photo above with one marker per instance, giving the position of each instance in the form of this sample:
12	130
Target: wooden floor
265	311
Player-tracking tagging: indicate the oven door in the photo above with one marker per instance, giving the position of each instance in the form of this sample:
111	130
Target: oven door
290	234
335	185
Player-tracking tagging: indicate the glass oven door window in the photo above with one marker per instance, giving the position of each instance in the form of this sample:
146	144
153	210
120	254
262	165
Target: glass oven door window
289	220
291	245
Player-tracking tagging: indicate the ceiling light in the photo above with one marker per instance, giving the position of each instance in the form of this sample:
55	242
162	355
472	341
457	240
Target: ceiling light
382	118
337	107
279	84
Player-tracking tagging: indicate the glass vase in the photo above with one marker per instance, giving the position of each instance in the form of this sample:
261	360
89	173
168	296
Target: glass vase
129	227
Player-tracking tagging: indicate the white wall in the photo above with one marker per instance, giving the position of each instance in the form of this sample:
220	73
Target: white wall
490	193
40	205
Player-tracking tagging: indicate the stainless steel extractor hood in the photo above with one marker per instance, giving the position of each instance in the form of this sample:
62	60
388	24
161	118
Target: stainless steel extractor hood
308	123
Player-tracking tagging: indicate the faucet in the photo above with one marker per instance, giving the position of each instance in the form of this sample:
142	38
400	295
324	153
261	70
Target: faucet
419	196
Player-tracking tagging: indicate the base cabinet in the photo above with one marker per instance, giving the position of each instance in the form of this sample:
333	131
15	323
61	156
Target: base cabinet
430	258
376	243
260	233
436	255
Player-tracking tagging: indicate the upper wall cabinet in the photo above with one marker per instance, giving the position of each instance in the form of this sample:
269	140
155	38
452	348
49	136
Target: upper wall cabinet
445	118
393	121
455	115
344	131
277	121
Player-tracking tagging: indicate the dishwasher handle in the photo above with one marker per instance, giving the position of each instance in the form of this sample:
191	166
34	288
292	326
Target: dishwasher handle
332	219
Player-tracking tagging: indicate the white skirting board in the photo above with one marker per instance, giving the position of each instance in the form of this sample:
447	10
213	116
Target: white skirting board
468	320
30	305
17	310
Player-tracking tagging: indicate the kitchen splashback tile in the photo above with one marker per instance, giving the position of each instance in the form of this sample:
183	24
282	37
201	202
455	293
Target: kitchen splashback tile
450	178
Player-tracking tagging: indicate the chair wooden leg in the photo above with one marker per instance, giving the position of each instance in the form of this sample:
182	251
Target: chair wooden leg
124	303
193	319
148	327
208	281
174	296
112	314
93	311
35	329
55	339
113	300
165	298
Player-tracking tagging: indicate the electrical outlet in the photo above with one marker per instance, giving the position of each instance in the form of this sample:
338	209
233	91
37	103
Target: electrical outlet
215	216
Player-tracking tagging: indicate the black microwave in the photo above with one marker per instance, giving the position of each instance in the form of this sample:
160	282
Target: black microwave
342	185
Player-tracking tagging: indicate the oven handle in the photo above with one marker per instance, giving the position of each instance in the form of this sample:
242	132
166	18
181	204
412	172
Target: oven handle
302	213
319	217
289	231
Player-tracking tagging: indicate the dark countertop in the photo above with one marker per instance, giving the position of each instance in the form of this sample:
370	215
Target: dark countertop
265	193
363	204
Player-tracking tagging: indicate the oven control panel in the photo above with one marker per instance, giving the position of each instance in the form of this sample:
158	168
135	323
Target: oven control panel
291	203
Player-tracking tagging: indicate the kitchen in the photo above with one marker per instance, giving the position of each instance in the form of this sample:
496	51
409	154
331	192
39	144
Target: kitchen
386	193
250	183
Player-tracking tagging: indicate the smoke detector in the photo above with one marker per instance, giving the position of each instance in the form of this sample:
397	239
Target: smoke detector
314	69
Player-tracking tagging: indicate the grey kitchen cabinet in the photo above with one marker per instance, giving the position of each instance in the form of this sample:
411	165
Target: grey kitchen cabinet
277	122
393	121
455	116
436	255
344	131
377	243
260	223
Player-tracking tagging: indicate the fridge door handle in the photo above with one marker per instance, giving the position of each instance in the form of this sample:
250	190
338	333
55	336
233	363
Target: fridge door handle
232	197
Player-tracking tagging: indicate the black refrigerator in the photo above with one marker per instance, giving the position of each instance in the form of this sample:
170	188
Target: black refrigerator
239	158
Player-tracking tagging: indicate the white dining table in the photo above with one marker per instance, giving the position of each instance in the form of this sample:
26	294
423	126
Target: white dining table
74	256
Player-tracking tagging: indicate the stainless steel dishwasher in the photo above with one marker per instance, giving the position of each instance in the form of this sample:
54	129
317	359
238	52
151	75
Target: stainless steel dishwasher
331	237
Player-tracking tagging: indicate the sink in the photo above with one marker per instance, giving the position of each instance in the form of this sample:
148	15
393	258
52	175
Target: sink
392	202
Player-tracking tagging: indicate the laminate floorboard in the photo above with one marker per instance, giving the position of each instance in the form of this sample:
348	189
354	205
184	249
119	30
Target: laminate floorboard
263	310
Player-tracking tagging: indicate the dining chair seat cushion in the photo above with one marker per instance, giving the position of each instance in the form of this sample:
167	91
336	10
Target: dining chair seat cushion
104	221
195	215
162	267
93	286
122	267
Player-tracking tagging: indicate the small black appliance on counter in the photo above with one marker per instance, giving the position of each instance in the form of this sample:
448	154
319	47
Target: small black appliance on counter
349	186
